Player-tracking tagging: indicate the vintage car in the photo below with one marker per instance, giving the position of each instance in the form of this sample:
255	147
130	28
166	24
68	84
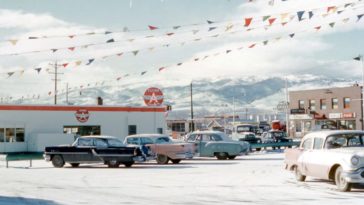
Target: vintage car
94	149
249	137
163	147
334	155
273	136
216	144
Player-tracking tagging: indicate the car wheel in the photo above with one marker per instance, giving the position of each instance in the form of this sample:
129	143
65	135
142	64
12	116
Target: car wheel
113	163
58	161
258	149
175	161
221	156
128	164
162	159
231	157
340	181
299	176
75	164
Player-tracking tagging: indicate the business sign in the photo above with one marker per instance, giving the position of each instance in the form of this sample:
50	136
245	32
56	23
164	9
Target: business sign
349	115
82	115
298	111
334	115
153	97
301	117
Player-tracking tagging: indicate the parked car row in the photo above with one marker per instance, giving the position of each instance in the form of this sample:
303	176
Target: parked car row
140	148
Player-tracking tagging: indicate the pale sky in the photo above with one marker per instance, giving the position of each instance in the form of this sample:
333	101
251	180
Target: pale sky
326	51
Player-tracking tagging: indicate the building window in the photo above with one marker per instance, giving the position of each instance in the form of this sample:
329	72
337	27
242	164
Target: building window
323	104
10	134
312	104
82	130
335	103
301	104
132	129
160	130
178	127
2	135
19	136
346	103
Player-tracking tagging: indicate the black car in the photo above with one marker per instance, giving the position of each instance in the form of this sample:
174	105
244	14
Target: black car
249	137
273	136
94	149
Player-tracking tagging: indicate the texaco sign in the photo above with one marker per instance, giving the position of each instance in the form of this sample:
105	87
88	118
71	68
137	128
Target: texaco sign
153	97
82	115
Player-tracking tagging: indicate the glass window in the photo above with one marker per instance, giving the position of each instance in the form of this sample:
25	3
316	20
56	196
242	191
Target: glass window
132	129
146	140
2	135
191	138
10	134
301	104
115	143
346	103
178	127
312	104
19	136
160	130
335	103
307	144
87	142
323	104
162	140
133	140
100	143
317	143
206	138
216	138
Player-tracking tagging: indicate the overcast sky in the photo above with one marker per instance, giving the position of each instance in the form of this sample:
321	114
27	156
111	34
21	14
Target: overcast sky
325	51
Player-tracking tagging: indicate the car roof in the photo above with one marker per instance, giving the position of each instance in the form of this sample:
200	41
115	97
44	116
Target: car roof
148	135
99	137
325	133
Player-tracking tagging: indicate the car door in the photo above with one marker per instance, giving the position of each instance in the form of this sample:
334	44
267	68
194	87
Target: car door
195	139
84	150
205	150
305	156
100	147
315	159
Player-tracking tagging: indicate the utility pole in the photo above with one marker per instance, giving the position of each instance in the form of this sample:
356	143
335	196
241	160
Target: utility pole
287	108
192	123
56	73
67	93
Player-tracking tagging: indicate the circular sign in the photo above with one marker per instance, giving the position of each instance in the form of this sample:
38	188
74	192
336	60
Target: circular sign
153	97
82	115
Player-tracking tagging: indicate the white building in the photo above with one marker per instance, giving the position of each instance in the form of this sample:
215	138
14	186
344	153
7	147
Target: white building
28	128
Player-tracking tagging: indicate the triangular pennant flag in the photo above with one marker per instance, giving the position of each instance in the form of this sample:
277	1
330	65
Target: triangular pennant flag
284	23
13	41
150	36
104	57
119	54
196	59
248	21
151	48
54	50
176	27
216	54
195	31
152	27
346	5
346	20
126	75
332	24
71	36
339	12
49	93
300	15
359	17
265	42
210	22
131	39
110	41
317	28
166	45
78	63
324	15
144	72
162	68
291	35
197	39
358	58
331	9
32	37
91	33
265	18
135	52
71	48
310	14
229	27
214	36
107	32
22	72
10	74
212	28
38	69
278	38
169	34
65	65
228	51
118	78
284	16
178	64
252	46
271	21
90	61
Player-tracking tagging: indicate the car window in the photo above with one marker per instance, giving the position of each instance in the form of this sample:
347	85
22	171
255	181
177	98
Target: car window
162	140
133	140
146	140
87	142
344	140
307	144
100	143
191	138
115	143
317	143
206	138
215	138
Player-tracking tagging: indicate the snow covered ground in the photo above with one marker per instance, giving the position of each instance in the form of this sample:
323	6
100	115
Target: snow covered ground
254	179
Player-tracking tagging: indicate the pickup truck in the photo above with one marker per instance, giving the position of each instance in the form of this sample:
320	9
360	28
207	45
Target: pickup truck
332	155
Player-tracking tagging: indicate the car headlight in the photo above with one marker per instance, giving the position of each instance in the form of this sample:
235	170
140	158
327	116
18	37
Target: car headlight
355	160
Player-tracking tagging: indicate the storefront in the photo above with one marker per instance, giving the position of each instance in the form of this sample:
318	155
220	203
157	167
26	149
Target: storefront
22	126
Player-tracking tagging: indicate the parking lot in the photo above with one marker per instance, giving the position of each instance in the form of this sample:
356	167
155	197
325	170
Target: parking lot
258	178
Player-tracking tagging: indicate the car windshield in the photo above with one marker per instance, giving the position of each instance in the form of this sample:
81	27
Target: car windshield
244	128
163	140
279	134
249	136
115	143
344	140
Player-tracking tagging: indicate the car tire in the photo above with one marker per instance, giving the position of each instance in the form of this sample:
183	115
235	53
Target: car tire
75	164
176	161
340	182
113	163
221	156
258	149
231	157
299	176
162	159
58	161
128	164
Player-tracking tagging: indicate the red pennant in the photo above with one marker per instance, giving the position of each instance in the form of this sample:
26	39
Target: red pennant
251	46
71	48
65	65
248	21
330	8
119	54
169	34
152	27
118	78
49	93
71	36
271	21
317	28
162	68
284	23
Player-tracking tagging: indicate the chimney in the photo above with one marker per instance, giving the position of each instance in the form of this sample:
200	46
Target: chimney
99	101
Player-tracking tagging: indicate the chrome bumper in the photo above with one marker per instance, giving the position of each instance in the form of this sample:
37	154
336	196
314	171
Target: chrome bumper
187	155
47	157
142	158
356	176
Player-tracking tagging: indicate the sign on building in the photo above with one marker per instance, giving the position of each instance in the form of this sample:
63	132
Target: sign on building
153	97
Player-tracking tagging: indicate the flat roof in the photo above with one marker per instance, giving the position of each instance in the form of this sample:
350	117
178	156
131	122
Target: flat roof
100	108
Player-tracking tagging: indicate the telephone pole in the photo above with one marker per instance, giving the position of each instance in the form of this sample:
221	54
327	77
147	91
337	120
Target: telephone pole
192	123
56	73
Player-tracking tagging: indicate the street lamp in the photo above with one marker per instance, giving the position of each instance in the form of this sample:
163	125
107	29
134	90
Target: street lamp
360	58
